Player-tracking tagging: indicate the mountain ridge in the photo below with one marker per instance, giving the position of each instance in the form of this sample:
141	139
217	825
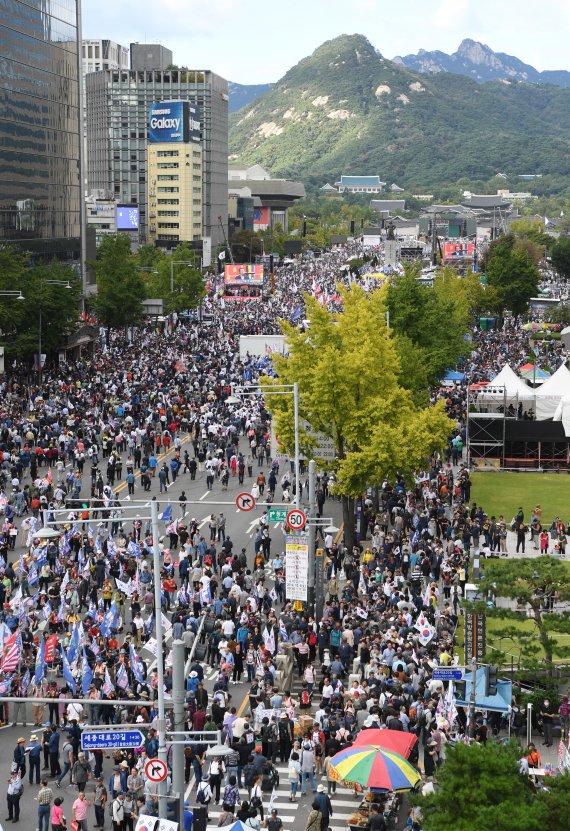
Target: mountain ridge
241	95
347	108
478	61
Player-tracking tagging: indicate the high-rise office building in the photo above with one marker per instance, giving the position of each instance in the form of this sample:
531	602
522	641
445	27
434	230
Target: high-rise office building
117	130
150	56
40	193
99	54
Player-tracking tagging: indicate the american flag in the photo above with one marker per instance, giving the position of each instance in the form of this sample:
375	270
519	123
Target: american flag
12	653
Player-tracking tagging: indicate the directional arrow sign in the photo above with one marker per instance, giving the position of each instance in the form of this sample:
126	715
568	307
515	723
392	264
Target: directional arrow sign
277	515
447	674
245	502
100	740
156	770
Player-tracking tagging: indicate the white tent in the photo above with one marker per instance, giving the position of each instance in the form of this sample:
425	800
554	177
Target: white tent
563	414
506	387
550	394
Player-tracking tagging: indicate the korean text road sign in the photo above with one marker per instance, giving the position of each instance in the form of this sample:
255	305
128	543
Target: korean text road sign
296	567
155	770
447	674
296	519
245	501
100	740
475	636
277	515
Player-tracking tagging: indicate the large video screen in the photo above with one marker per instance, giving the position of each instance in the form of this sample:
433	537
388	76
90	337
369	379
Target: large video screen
458	250
243	274
127	217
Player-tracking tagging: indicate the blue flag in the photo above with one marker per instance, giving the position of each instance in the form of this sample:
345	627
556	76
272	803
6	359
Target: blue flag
73	648
122	678
25	682
136	666
87	676
40	670
149	624
167	513
67	674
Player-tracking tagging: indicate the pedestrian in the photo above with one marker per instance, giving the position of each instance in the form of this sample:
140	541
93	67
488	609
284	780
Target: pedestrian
44	800
80	772
314	819
325	806
100	802
19	757
58	822
79	810
13	794
293	773
273	821
34	751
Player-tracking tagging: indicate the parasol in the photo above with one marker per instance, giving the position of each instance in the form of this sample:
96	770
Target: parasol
375	767
395	740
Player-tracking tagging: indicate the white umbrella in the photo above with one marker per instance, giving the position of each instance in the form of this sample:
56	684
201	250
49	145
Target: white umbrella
46	534
231	399
331	529
218	750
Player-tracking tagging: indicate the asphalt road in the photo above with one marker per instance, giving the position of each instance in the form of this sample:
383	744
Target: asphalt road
241	527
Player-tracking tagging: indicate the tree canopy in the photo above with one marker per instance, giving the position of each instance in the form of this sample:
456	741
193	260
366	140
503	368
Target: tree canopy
480	788
183	266
20	320
348	369
120	284
560	256
510	266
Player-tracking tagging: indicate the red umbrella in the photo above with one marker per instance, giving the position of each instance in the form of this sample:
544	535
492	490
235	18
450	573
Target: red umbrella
395	740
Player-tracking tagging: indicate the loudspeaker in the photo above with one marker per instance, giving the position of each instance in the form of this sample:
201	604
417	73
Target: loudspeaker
199	823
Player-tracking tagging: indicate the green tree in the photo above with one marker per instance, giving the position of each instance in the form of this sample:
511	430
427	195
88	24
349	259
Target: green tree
120	284
480	788
560	256
553	803
419	312
246	246
20	320
347	368
181	271
512	272
530	583
558	314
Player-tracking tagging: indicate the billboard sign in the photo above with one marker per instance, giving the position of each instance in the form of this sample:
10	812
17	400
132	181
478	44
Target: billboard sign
296	567
127	217
174	121
458	250
243	274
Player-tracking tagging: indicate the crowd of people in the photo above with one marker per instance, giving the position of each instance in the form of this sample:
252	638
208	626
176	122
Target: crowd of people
78	608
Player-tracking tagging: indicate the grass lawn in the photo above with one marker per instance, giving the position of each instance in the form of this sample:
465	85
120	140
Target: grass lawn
503	493
494	627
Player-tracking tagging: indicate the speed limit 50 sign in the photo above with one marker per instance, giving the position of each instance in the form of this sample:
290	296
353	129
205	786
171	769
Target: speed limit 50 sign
296	519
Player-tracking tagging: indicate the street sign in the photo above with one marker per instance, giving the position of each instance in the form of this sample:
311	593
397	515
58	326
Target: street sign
296	519
101	740
245	502
447	674
475	636
277	515
155	770
319	582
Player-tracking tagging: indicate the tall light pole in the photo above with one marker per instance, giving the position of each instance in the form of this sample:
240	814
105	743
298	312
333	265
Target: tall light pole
17	295
66	285
283	389
172	264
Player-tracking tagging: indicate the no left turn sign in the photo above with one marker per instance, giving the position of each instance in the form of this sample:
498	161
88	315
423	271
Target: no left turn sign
296	519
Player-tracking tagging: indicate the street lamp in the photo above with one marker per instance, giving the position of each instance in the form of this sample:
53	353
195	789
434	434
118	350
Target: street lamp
16	294
66	285
282	389
172	264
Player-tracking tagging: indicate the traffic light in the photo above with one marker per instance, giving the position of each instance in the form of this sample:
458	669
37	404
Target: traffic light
491	678
460	690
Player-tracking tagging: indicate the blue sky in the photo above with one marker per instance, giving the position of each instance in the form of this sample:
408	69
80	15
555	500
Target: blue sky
254	41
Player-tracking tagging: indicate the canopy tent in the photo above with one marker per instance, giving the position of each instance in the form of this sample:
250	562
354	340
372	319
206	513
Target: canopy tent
498	703
506	387
533	373
452	375
551	393
563	414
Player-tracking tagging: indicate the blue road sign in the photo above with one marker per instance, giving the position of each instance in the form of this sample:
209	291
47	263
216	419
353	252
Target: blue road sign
447	674
100	740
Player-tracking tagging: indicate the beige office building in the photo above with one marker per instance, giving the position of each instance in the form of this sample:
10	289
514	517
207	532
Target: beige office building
174	197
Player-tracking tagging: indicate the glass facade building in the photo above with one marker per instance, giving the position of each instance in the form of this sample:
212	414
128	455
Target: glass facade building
39	127
117	105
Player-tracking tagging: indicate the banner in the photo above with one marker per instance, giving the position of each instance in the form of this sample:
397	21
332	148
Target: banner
296	567
51	644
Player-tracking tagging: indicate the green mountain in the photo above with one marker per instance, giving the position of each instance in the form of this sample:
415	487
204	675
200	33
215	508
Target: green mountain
346	109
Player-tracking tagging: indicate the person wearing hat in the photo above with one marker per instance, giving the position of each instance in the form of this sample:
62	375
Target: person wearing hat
188	817
19	756
99	802
325	806
34	751
13	794
273	821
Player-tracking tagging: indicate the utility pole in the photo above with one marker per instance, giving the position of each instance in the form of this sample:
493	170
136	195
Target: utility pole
472	698
178	700
297	454
162	752
312	529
